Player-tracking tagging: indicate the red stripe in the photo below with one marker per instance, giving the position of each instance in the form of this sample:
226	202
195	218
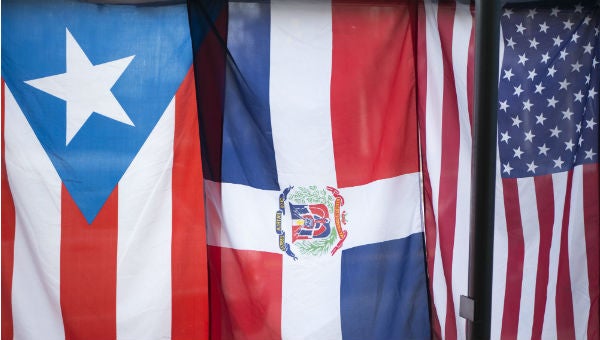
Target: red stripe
8	241
88	270
430	225
189	271
545	202
565	324
591	219
249	311
373	94
449	161
516	256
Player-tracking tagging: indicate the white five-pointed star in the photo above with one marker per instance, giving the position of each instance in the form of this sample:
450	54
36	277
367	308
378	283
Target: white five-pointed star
588	78
527	105
557	40
516	121
510	43
507	12
533	43
564	84
578	8
578	96
505	137
508	74
545	57
590	123
532	74
543	150
589	154
574	37
568	24
539	88
555	11
517	152
592	93
558	162
577	66
522	59
518	90
540	119
552	102
595	62
567	114
529	136
588	48
555	132
551	71
520	28
587	20
85	88
578	127
532	13
531	167
563	55
544	27
504	105
507	168
569	145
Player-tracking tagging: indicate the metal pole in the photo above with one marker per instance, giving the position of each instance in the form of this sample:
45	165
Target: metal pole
481	242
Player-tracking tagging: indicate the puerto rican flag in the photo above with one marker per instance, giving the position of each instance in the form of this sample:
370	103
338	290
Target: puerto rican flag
300	94
102	211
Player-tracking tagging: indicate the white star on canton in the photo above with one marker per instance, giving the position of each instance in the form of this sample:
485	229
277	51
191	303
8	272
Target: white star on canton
545	58
85	88
590	123
520	28
518	90
563	55
569	145
557	40
544	27
576	67
596	31
592	93
564	84
587	79
533	43
568	24
510	43
507	168
578	96
555	12
578	8
527	105
567	114
588	48
590	154
551	71
507	12
516	121
574	37
587	20
595	62
522	59
552	102
508	74
578	127
505	137
580	140
532	74
540	119
529	136
531	167
539	88
558	163
532	13
555	132
517	152
504	105
543	150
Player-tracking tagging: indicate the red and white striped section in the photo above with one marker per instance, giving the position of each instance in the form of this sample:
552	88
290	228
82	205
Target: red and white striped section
138	271
445	68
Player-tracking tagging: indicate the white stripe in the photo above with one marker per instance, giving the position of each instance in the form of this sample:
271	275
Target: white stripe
246	218
433	122
144	240
578	257
36	190
559	184
531	237
301	37
372	218
463	22
500	259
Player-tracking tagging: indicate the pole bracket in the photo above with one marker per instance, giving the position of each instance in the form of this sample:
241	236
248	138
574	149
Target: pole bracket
467	308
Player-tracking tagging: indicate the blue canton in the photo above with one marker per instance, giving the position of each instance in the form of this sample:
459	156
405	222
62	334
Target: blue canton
548	89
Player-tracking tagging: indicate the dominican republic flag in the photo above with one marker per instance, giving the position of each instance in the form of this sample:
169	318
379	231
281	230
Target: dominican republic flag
102	210
309	138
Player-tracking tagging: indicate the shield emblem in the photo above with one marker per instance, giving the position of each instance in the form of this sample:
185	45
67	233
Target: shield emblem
309	221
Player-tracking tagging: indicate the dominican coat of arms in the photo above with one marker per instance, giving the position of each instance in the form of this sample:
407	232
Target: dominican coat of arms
310	221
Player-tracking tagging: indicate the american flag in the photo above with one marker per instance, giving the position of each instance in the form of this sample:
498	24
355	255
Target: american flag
546	226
